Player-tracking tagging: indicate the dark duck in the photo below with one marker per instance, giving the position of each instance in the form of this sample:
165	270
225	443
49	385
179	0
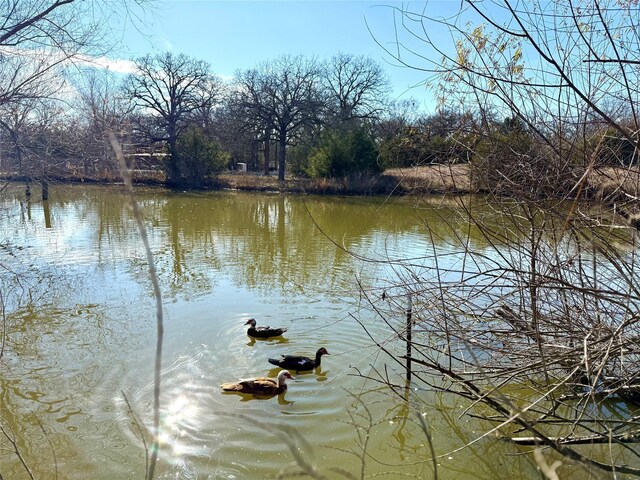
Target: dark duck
261	385
296	362
263	332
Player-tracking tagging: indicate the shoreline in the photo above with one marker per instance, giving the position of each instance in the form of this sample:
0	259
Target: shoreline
601	183
392	182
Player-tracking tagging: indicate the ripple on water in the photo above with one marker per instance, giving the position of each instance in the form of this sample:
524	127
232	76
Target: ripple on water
204	430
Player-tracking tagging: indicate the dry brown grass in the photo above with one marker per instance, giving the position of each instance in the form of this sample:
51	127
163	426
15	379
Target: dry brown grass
261	183
612	181
432	178
601	182
357	185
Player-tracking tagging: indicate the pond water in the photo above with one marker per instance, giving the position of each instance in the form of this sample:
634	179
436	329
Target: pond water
77	365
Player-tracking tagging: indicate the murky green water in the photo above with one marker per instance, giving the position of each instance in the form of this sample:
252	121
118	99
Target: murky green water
76	381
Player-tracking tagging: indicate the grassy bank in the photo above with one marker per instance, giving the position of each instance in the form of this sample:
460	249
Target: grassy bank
434	179
457	179
397	181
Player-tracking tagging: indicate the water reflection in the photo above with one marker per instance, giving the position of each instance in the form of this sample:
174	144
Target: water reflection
244	397
318	372
266	241
177	419
272	340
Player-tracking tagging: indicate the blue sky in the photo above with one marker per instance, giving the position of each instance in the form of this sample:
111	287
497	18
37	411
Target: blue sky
234	35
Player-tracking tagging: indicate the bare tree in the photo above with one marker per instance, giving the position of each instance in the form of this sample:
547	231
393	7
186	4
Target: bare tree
38	37
101	107
174	88
566	69
43	140
40	40
35	37
240	134
284	95
356	86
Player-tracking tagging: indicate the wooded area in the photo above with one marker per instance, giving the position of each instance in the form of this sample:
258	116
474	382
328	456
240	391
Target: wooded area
307	117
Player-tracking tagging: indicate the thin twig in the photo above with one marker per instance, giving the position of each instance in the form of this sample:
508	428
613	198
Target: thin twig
3	338
143	437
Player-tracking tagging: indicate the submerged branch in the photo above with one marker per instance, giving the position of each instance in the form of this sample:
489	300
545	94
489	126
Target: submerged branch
570	440
16	450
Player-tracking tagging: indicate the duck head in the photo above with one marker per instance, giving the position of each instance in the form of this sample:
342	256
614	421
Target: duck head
283	376
322	351
252	322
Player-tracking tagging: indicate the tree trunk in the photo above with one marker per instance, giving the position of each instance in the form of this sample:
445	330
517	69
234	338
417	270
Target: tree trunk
172	171
267	156
47	214
255	155
45	190
282	154
267	150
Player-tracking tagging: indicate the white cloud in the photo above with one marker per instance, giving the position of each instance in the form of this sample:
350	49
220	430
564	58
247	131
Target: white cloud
168	46
113	65
57	57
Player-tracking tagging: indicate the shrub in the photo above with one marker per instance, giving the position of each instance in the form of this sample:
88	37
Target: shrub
199	159
344	153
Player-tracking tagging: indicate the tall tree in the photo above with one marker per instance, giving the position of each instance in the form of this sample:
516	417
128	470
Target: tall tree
285	95
238	135
174	88
356	87
252	110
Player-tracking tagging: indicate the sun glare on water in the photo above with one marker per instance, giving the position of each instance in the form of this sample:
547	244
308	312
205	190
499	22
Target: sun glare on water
177	420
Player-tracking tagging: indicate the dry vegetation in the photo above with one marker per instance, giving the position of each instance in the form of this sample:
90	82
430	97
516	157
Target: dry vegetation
608	183
434	178
600	183
400	181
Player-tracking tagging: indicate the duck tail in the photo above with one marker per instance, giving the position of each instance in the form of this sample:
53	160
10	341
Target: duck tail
231	387
274	361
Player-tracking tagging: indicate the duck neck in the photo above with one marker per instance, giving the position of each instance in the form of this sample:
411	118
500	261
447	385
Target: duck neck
318	358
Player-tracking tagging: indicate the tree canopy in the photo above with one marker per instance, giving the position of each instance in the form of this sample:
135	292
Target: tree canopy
284	96
173	88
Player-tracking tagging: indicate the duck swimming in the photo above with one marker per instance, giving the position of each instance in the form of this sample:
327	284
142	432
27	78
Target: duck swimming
296	362
260	386
263	332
